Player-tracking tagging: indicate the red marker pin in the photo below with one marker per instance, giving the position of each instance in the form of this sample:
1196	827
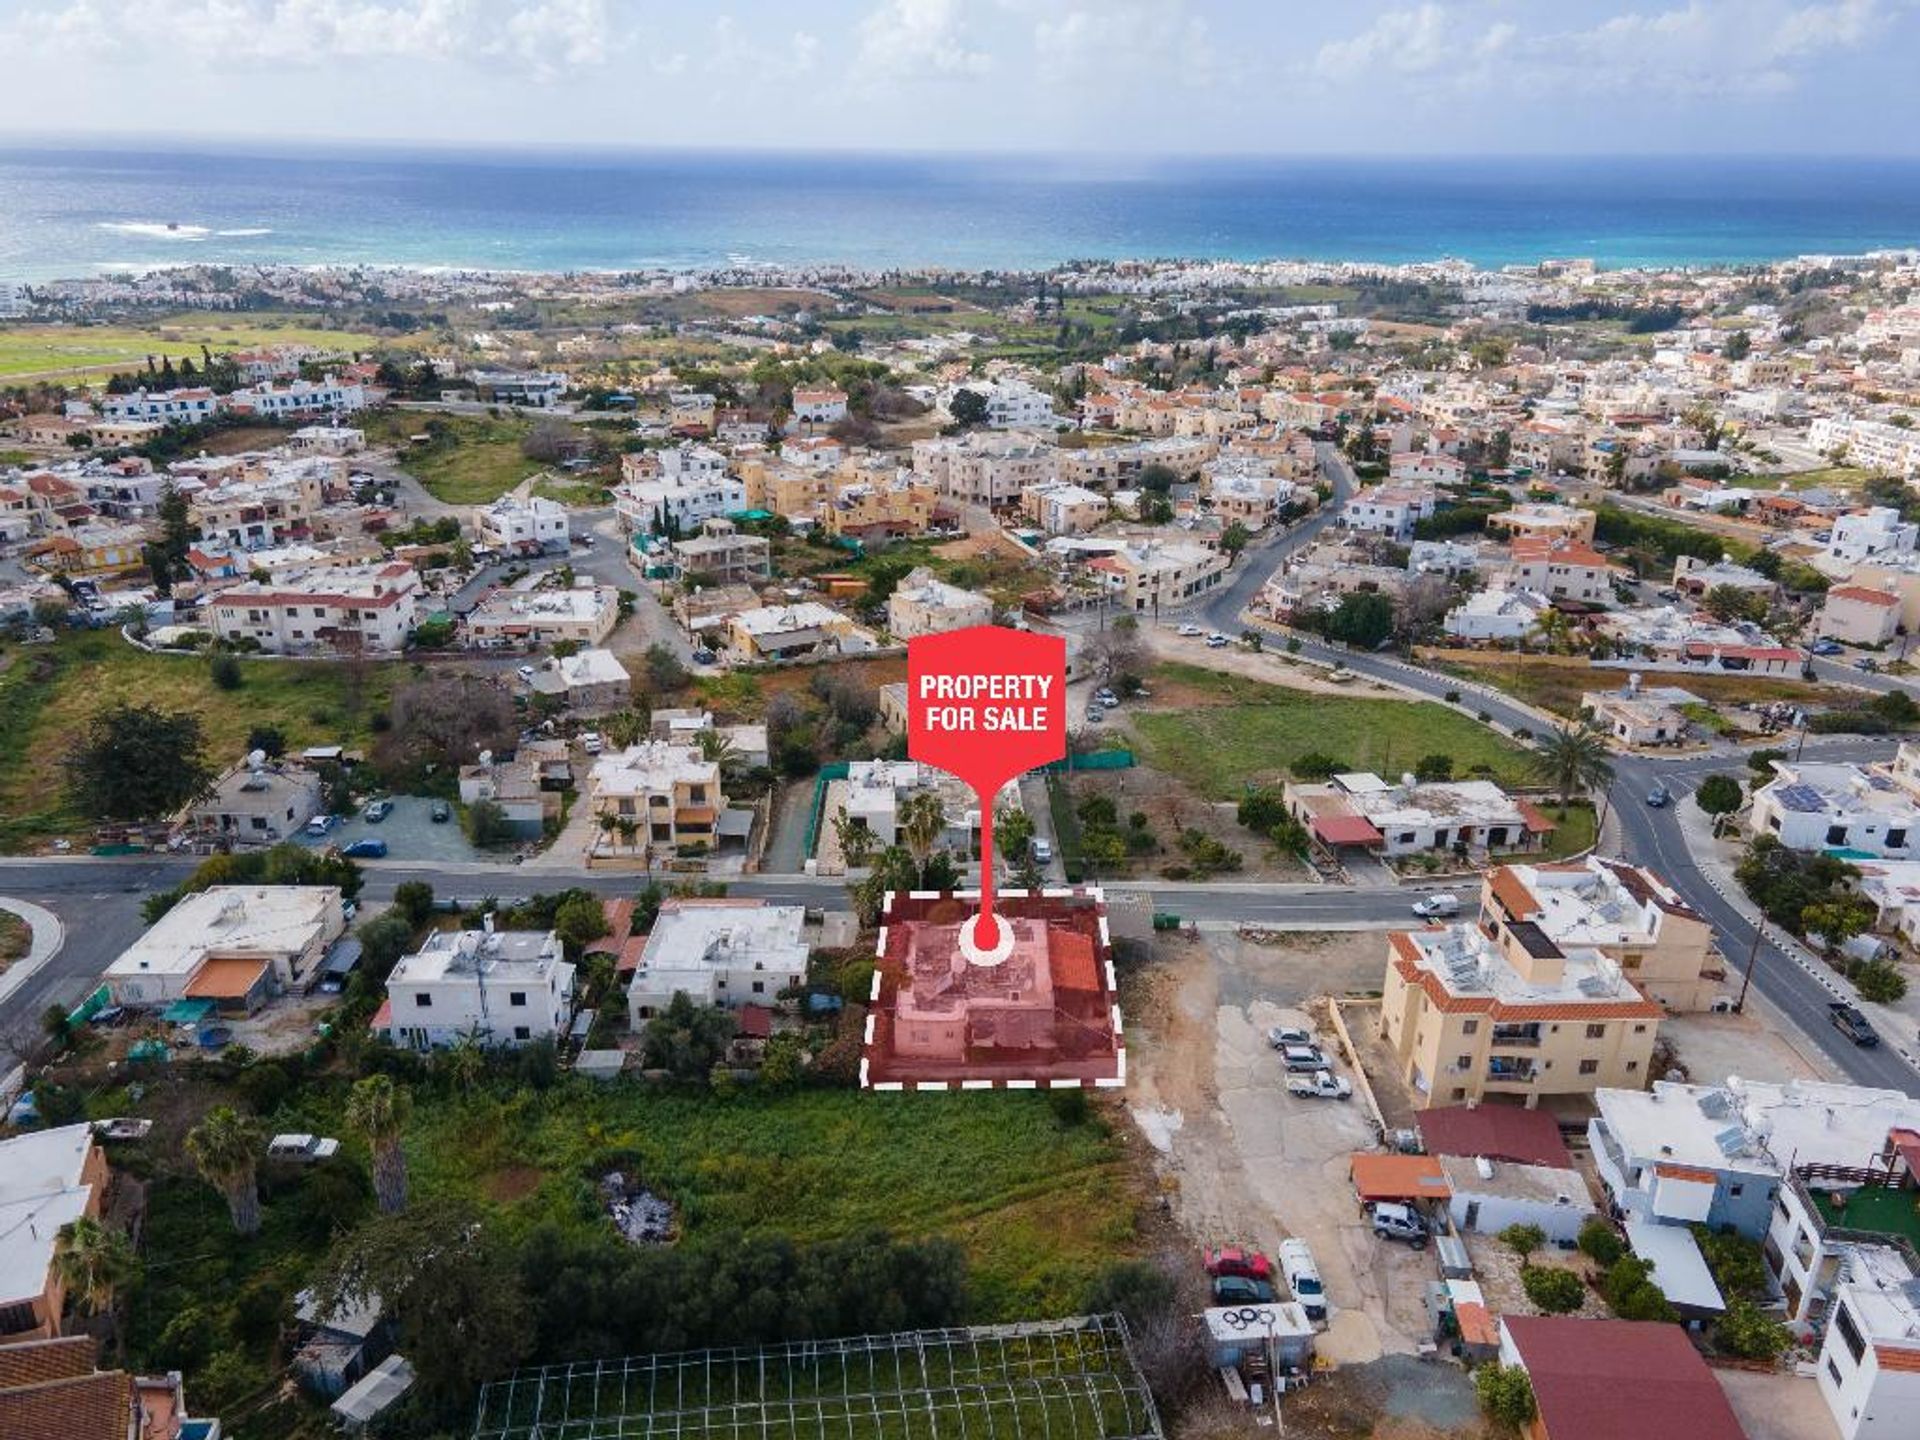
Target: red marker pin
986	704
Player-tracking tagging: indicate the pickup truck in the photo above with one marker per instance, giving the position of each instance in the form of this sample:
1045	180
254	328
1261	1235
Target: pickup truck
1321	1085
302	1149
1852	1024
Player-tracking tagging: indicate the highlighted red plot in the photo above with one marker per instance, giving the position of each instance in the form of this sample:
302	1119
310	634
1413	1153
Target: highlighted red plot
1045	1015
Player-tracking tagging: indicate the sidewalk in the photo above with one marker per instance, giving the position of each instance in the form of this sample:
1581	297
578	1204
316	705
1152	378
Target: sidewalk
48	936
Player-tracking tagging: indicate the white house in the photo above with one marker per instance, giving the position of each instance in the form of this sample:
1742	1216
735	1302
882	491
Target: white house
1869	1365
718	952
1012	404
1497	615
924	604
276	934
510	523
1875	533
501	987
1390	510
1868	810
818	405
1487	1196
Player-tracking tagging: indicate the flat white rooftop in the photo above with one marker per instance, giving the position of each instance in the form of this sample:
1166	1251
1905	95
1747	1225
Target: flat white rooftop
231	920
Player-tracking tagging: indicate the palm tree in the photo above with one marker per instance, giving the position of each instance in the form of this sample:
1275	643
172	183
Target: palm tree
608	823
93	1261
721	750
623	728
1551	626
224	1148
379	1110
628	827
1573	757
923	820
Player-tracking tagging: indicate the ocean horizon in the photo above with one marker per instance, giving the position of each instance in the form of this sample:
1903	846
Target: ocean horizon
76	212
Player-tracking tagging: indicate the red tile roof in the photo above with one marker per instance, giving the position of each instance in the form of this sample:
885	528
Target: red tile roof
1862	595
1071	959
755	1022
1620	1380
1497	1132
1346	830
1399	1177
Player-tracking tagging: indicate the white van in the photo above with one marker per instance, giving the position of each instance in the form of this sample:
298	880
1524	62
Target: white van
1437	907
1303	1278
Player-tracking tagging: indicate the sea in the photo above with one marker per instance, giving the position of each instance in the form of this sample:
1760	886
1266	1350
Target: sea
68	213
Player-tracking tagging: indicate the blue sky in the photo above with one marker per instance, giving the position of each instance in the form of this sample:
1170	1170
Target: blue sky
1113	77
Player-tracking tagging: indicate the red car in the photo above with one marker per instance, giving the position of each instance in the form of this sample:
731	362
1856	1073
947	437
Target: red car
1232	1260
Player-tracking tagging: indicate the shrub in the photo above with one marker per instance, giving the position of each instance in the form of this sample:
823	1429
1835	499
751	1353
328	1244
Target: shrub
1523	1240
1505	1394
1316	765
224	671
1553	1292
1880	982
1744	1330
1630	1290
1601	1242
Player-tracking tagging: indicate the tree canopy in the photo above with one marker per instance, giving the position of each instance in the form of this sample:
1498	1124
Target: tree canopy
137	762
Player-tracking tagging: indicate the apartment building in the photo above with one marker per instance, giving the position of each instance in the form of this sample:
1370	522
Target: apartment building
1560	570
1510	1017
346	609
90	549
585	613
924	604
1872	444
727	953
524	526
261	506
723	553
192	405
656	794
1876	533
1013	404
676	489
493	987
328	396
1110	467
881	510
1062	509
1868	1369
539	390
987	470
1686	1155
1626	912
1148	574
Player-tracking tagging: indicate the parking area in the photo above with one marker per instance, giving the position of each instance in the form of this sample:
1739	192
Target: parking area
410	831
1245	1161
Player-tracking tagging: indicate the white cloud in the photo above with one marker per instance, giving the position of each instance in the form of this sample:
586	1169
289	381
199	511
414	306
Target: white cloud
544	38
908	39
1130	39
734	52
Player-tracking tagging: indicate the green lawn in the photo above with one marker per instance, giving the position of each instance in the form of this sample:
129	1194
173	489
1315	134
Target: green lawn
1558	685
476	459
1575	832
15	457
1245	732
48	692
28	350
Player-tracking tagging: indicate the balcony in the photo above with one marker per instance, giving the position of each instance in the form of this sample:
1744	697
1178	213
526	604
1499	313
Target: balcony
1868	1207
1510	1037
1511	1072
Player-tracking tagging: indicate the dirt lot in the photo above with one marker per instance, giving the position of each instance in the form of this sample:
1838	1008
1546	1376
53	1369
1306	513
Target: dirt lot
1270	666
1239	1158
1712	1047
1497	1268
1778	1407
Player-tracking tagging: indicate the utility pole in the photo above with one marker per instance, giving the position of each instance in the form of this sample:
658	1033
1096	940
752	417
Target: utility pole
1753	957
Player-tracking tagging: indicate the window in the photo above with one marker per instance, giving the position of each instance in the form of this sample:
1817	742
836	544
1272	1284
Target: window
1849	1333
1463	1062
1896	839
1836	835
1733	1191
1639	1029
1833	1370
423	1002
521	1032
1596	1032
516	997
1469	1027
759	987
1589	1067
1632	1065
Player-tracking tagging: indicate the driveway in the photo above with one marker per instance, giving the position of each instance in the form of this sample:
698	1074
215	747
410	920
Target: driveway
410	834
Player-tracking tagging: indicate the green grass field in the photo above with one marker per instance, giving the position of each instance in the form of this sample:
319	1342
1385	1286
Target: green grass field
48	692
477	458
1040	1206
1835	477
1245	732
1558	686
27	351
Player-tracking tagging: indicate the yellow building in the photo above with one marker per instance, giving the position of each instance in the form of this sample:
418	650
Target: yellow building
1512	1020
878	510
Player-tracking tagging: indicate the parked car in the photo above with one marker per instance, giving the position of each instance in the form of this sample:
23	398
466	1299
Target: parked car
1303	1278
366	850
1659	797
1848	1020
1239	1290
1281	1036
1105	696
591	742
126	1127
378	810
1191	632
321	824
1399	1222
1867	664
1096	715
440	813
1234	1260
704	656
1437	907
1041	849
1321	1085
1827	647
302	1149
1217	641
1303	1058
526	673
